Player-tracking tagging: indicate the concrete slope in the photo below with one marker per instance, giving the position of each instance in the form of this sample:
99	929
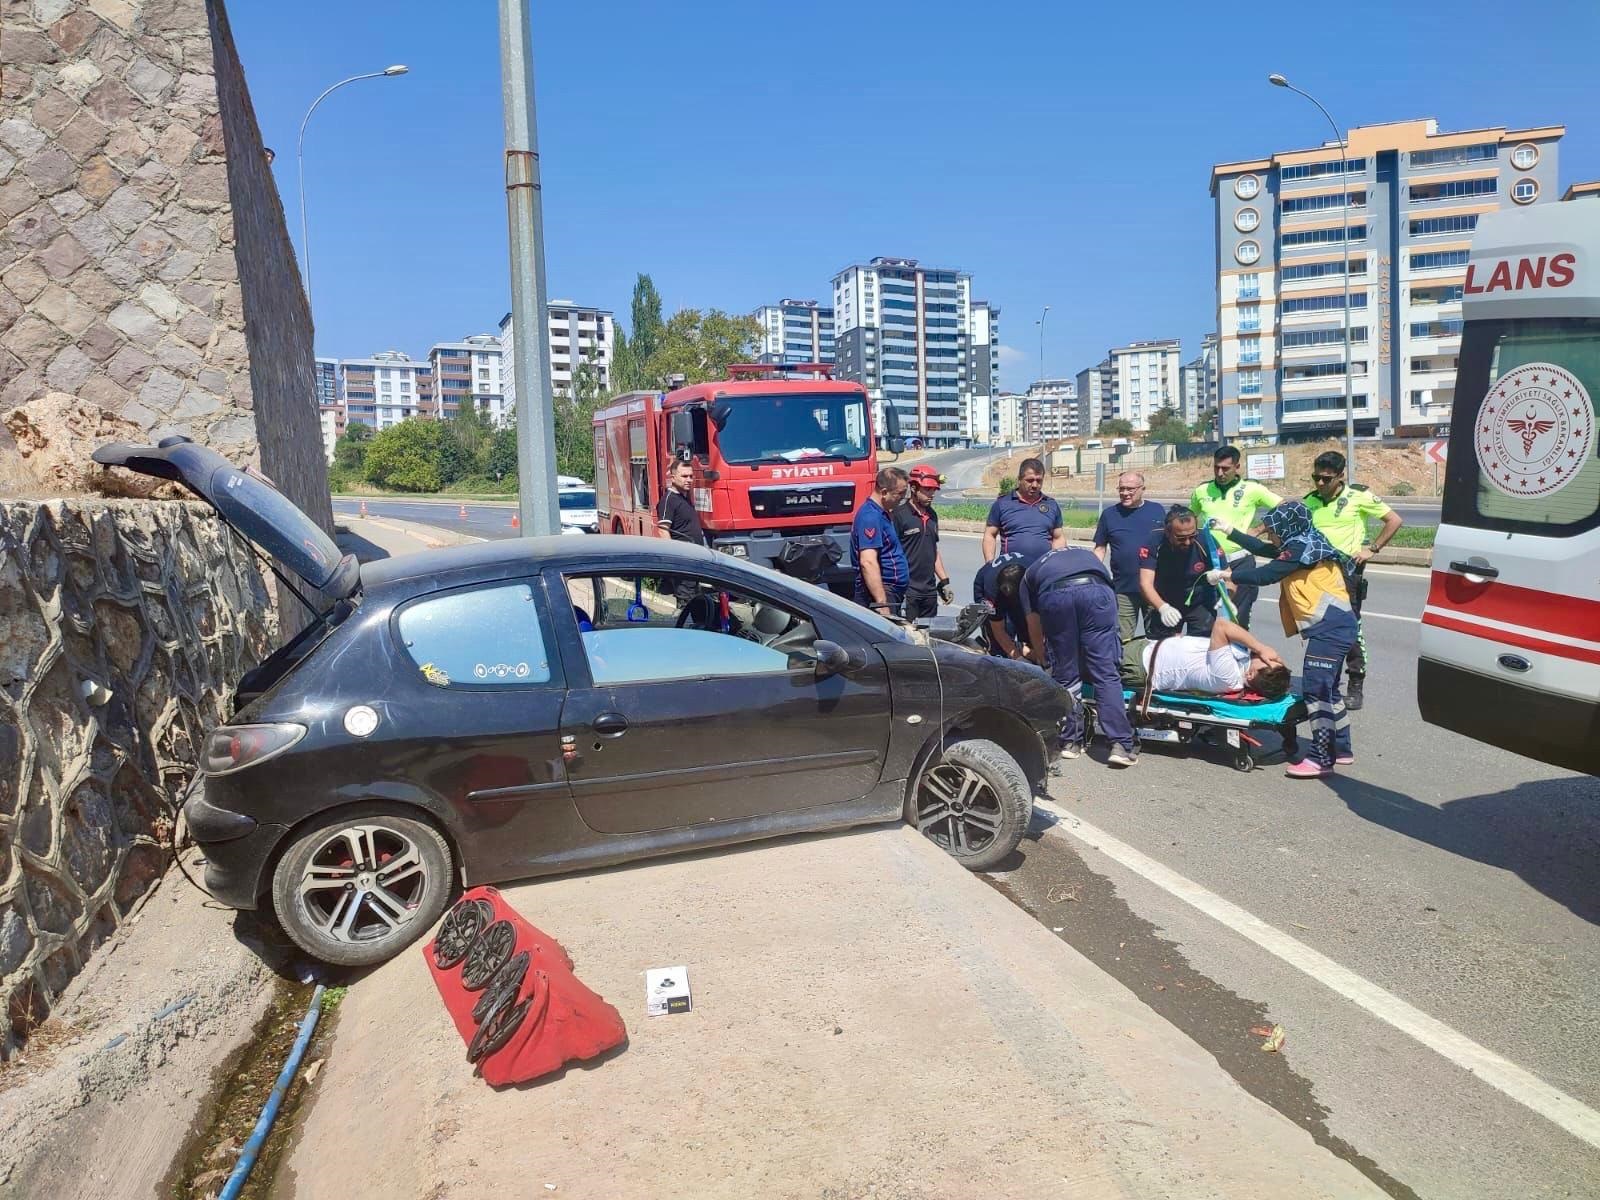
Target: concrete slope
869	1019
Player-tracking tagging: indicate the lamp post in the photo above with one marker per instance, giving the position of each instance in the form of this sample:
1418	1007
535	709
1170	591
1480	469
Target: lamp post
1277	80
300	156
1040	323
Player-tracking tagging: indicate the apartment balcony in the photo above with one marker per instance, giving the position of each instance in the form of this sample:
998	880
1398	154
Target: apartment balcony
1249	326
1250	293
1251	358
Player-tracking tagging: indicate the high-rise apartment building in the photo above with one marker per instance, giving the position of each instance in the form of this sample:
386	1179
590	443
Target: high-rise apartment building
1097	396
1050	410
325	387
794	331
470	369
1200	381
1006	426
382	390
901	330
1412	197
576	334
983	348
1149	378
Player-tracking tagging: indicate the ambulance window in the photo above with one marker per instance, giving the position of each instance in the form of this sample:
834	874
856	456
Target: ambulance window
1533	462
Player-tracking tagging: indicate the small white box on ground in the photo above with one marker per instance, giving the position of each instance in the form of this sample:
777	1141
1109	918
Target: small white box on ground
666	990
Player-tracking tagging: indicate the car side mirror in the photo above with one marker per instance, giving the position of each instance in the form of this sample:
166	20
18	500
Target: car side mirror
831	657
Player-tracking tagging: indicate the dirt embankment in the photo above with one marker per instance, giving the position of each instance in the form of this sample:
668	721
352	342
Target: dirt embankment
1390	471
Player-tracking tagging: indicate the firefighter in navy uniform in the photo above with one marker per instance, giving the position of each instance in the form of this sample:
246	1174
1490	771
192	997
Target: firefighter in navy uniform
918	527
998	586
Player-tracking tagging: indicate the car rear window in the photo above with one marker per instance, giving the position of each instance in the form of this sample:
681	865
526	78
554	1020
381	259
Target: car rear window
481	637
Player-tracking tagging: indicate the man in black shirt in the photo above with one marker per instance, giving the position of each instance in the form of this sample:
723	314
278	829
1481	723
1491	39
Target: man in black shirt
675	515
918	527
1172	578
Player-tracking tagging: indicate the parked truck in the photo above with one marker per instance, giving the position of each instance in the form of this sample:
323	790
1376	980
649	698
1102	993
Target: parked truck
783	455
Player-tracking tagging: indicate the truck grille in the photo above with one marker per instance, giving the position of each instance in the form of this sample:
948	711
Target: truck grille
794	500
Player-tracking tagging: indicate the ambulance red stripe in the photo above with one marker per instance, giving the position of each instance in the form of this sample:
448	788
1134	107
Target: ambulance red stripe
1569	616
1504	637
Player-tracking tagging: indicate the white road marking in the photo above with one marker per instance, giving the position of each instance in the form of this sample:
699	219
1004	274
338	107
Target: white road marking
1498	1072
1367	612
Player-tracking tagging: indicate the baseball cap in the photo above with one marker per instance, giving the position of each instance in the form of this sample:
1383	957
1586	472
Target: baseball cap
926	476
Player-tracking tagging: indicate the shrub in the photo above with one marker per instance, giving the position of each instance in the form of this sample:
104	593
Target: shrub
1008	485
1402	489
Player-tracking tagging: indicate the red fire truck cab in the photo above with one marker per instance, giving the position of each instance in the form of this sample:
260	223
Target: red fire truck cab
780	463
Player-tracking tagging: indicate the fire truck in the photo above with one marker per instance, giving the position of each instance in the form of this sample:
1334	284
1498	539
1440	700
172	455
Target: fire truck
783	455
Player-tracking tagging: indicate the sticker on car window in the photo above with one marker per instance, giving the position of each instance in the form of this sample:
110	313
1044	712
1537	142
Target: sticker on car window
1536	431
517	670
434	675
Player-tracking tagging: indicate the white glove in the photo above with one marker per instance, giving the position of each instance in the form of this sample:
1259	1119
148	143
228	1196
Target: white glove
1170	616
1216	577
1220	526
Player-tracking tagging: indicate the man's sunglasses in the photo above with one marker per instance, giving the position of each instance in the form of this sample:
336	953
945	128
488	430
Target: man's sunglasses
1323	478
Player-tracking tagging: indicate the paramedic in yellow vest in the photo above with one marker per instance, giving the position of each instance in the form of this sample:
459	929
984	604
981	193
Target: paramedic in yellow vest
1341	511
1232	500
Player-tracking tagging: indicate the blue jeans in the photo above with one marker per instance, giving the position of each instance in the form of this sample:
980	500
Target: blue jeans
1080	631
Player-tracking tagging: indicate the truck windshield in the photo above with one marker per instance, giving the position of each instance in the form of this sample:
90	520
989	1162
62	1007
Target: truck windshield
792	428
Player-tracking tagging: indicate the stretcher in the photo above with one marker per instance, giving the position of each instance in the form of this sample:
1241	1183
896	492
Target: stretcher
1188	717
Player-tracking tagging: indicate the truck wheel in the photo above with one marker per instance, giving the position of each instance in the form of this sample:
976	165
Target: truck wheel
973	801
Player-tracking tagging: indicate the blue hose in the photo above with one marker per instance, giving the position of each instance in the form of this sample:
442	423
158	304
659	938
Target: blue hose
269	1113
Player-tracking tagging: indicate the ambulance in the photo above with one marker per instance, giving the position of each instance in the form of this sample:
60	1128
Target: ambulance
1510	645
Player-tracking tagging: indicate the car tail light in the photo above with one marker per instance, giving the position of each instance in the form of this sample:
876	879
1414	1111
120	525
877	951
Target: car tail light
233	747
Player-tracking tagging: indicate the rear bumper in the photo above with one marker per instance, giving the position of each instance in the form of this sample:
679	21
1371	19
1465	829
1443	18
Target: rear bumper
1559	730
237	849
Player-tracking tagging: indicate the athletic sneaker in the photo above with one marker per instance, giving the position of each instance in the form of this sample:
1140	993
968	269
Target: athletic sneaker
1121	756
1345	760
1071	749
1353	698
1307	769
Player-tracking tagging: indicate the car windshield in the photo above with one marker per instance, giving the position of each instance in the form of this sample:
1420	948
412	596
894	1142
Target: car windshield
576	498
792	428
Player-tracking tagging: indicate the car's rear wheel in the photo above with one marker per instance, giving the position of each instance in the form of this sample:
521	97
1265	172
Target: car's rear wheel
972	801
356	887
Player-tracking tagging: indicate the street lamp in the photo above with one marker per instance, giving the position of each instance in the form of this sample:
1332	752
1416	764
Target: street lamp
1040	323
300	155
1277	80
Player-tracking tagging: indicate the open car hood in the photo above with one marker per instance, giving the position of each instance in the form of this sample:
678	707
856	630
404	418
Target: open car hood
247	502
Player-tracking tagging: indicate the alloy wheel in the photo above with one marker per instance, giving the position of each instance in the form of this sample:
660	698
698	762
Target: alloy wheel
958	808
364	882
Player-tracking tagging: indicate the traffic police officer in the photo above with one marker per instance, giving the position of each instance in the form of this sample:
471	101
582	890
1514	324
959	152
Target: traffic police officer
875	550
1072	610
1234	501
918	528
1341	512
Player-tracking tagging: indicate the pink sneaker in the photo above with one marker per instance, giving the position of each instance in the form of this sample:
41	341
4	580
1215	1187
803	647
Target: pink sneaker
1307	769
1345	760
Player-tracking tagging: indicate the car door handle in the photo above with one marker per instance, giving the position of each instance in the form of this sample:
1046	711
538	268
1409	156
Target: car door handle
1481	570
611	724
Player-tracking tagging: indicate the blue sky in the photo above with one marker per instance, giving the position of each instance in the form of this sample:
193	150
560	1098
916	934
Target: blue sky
743	152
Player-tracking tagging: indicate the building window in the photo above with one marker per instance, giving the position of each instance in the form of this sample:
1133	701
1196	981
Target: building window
1250	415
1463	224
1302	204
1247	252
1525	191
1482	152
1424	193
1358	266
1246	187
1440	258
1335	166
1249	383
1302	304
1301	338
1322	237
1246	219
1525	157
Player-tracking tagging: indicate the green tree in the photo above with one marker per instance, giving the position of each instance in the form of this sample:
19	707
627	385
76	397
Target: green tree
647	329
472	429
575	420
501	462
351	448
1167	426
1115	427
405	457
701	346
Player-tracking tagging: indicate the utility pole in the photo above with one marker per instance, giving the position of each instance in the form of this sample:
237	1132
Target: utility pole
536	436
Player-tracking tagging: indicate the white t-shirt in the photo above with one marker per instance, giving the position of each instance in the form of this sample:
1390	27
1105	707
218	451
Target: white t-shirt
1188	664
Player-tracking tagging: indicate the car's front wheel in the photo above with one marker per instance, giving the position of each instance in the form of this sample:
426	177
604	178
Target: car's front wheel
356	887
973	801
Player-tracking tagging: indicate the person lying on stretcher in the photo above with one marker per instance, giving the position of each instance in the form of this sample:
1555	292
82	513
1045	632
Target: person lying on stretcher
1231	660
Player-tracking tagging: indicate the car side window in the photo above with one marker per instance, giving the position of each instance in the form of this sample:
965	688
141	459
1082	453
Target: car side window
638	628
480	637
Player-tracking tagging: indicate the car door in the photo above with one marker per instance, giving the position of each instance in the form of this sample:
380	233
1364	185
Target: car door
673	727
483	688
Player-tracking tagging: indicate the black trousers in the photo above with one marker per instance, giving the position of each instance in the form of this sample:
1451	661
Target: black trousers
921	602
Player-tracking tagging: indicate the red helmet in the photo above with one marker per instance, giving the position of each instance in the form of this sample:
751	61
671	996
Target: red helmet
925	476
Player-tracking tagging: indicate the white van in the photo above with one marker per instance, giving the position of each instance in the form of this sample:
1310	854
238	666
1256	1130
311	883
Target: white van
1510	648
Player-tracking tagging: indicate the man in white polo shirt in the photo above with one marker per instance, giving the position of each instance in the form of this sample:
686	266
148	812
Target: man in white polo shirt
1232	659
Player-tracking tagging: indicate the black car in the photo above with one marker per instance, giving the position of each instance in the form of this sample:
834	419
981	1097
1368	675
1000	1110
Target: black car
517	708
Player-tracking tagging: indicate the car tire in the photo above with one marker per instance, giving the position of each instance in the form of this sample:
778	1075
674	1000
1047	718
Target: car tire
343	858
973	802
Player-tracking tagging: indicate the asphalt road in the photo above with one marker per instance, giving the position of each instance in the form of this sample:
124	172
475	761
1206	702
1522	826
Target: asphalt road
1435	905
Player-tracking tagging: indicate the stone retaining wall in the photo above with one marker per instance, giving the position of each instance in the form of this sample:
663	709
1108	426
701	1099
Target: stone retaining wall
123	628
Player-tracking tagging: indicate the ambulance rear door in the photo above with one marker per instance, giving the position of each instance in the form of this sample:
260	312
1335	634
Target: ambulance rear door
1510	641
